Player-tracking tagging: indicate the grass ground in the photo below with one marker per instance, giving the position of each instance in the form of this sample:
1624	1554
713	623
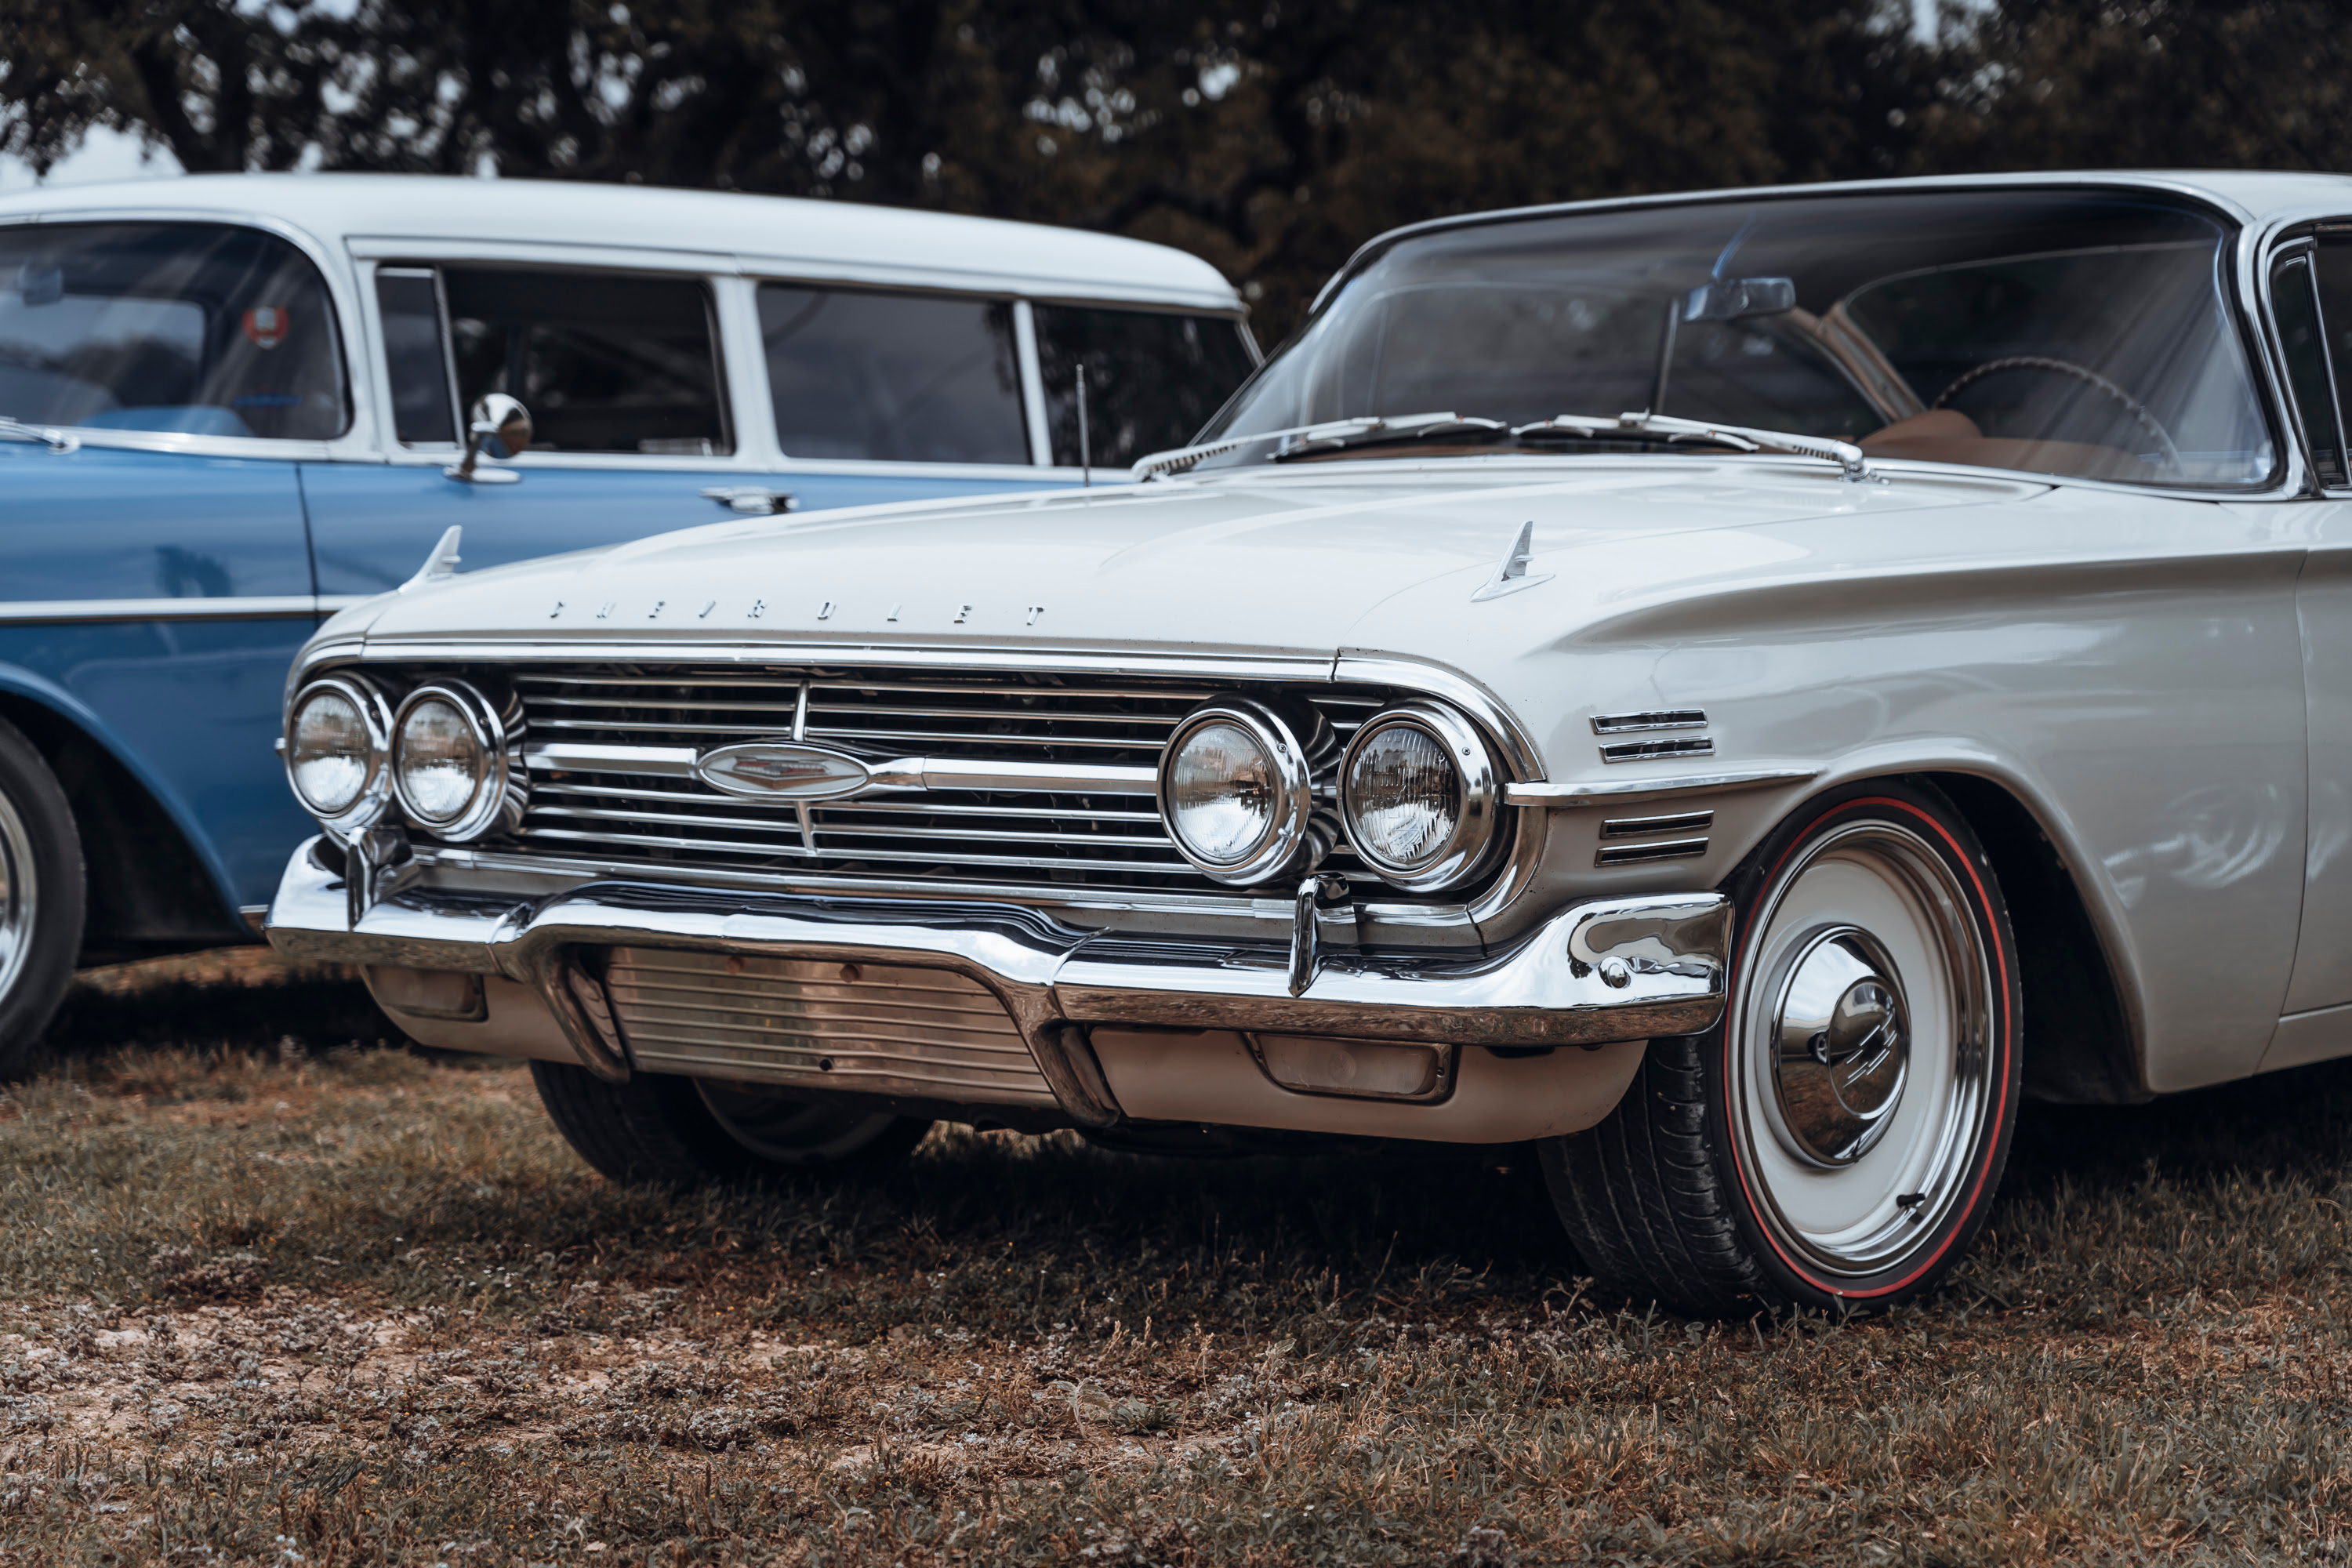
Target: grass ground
266	1296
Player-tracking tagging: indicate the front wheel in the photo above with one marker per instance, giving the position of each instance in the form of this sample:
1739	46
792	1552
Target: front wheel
41	894
687	1133
1835	1142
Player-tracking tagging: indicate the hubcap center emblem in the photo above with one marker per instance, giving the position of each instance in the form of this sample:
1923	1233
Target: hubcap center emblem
1841	1047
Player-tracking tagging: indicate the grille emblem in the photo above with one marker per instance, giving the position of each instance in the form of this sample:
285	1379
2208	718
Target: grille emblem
782	770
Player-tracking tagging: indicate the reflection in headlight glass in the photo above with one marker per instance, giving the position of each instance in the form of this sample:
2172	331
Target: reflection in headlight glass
1405	797
327	752
439	760
1221	793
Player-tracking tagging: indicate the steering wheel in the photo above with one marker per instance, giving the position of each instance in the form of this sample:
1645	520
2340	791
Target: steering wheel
2084	374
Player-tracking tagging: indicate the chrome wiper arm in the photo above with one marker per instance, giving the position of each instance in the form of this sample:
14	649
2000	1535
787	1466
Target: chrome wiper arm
48	436
1330	432
1854	464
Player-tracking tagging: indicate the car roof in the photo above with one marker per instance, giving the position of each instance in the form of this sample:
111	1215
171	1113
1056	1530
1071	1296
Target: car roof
2253	196
843	241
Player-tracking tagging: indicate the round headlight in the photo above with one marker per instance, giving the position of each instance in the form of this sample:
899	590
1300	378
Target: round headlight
335	744
1236	788
448	761
1419	796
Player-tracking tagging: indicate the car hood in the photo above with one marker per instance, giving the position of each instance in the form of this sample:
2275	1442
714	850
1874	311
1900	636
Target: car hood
1265	561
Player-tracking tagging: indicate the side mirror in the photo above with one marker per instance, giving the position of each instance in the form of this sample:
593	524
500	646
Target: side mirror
496	417
1729	298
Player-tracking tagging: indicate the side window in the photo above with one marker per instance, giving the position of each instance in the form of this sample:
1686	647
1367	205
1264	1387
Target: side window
2331	261
604	363
1152	378
416	355
197	329
911	378
2302	339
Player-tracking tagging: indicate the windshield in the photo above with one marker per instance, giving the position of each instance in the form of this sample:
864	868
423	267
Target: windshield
2084	333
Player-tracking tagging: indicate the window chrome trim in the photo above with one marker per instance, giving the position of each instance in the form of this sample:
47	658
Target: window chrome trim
245	607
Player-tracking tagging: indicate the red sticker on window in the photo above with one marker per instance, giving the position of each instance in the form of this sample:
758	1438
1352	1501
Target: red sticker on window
266	325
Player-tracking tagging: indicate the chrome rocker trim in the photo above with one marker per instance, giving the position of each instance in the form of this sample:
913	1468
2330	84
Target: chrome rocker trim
1608	970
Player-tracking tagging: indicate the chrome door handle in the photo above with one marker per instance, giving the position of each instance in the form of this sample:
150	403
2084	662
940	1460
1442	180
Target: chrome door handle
757	499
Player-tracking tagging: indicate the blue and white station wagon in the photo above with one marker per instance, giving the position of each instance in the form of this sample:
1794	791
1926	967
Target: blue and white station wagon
232	405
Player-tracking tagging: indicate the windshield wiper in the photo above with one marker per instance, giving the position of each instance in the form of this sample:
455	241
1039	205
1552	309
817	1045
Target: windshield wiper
1854	464
48	436
1335	434
1330	434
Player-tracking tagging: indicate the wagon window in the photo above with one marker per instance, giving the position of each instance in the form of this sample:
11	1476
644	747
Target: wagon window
604	363
1152	378
416	354
2303	341
193	329
915	378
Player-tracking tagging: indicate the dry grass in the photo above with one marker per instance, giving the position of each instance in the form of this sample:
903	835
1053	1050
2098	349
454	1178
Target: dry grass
342	1305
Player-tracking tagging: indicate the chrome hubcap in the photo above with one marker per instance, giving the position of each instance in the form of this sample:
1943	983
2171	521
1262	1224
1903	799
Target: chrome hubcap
1863	1066
18	903
1843	1048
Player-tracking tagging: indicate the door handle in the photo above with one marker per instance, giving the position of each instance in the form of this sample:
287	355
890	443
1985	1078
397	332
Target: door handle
757	499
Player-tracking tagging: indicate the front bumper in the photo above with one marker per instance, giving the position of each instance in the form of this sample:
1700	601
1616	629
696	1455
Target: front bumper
1613	970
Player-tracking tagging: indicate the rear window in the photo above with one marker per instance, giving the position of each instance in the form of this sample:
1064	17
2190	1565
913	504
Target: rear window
604	363
912	378
1152	378
195	329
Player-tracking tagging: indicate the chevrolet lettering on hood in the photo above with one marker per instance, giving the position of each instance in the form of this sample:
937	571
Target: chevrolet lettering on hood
1733	692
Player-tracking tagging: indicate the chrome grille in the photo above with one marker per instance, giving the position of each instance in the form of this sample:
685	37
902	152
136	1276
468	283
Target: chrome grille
875	1029
1097	839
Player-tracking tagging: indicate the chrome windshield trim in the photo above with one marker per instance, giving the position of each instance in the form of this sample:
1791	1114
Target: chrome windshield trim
249	607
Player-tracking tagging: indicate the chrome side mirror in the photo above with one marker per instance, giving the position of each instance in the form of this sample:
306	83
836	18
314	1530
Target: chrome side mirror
496	417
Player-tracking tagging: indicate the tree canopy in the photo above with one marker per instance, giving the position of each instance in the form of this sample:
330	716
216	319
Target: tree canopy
1271	136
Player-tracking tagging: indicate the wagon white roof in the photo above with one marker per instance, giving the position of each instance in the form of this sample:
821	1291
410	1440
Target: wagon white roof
844	241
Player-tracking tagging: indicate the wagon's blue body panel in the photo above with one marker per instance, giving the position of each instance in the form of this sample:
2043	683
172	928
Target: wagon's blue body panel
186	700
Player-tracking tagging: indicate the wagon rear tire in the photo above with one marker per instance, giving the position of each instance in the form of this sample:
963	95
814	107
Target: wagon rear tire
1834	1143
42	895
657	1130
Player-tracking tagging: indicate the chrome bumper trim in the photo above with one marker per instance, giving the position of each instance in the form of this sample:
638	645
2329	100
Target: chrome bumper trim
1612	969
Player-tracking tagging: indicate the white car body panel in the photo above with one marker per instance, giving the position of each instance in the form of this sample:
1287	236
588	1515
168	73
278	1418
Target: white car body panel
2129	664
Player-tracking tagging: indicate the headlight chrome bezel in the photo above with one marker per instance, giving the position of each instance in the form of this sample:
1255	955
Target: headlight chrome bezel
1478	827
497	800
1294	840
375	795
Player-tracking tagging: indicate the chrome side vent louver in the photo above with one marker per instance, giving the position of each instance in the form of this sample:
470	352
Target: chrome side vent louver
1660	719
1645	751
1678	847
1653	720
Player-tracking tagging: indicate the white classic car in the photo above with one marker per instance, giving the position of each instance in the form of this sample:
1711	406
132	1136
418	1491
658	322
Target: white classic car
1735	687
